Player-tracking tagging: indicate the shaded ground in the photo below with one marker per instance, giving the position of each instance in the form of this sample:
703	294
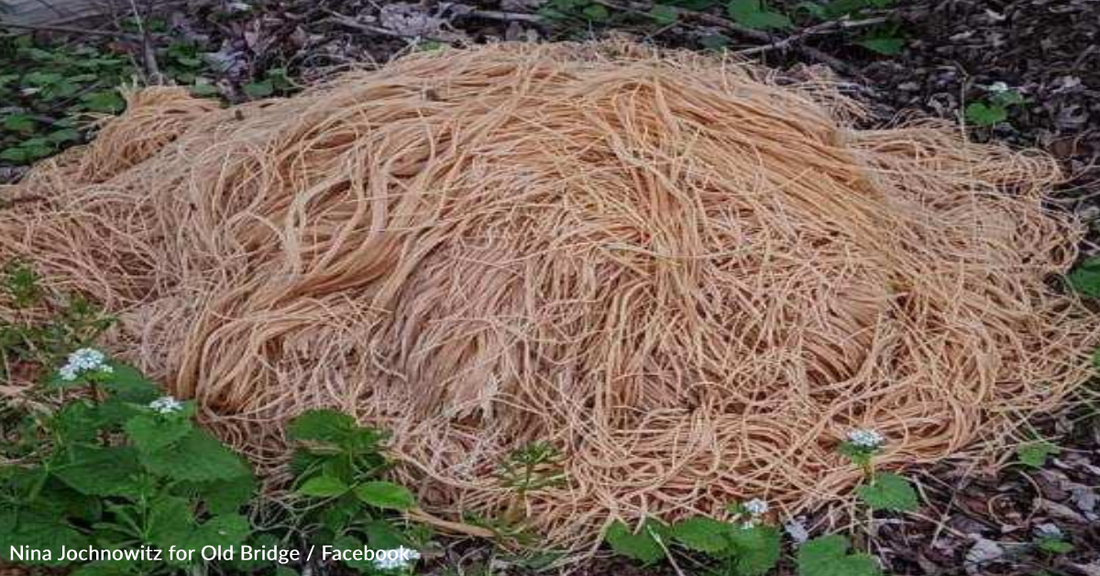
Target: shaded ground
975	521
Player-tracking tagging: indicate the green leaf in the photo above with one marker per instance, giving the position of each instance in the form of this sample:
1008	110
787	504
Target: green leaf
261	89
813	9
151	433
643	546
884	46
222	496
1085	279
754	14
702	534
63	135
664	15
714	42
128	383
199	457
16	155
828	556
693	4
107	101
204	90
76	423
596	12
1054	545
984	114
758	549
106	568
100	471
1035	454
386	495
840	8
170	522
889	492
323	487
382	535
347	543
329	426
19	123
39	531
225	530
40	79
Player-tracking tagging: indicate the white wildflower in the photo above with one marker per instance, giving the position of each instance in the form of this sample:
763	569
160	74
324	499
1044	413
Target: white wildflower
395	559
756	507
998	88
166	405
68	373
866	438
84	360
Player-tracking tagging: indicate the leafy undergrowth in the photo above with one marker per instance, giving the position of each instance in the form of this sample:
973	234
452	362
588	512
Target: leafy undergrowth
53	93
98	456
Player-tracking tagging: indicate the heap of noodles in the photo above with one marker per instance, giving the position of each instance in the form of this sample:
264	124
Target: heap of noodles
689	276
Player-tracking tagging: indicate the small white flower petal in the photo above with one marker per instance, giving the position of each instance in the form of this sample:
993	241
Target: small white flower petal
866	438
756	507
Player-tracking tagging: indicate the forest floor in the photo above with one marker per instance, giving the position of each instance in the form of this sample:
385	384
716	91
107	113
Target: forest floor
951	54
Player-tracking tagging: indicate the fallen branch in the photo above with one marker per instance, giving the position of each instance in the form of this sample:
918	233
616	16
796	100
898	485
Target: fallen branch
350	22
758	35
816	30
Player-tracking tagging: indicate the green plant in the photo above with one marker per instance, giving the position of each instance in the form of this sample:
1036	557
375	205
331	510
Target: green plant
646	544
755	14
746	547
33	341
574	10
1035	454
1053	544
1085	278
829	556
274	82
994	109
106	460
881	490
48	89
119	466
337	466
886	38
836	9
532	467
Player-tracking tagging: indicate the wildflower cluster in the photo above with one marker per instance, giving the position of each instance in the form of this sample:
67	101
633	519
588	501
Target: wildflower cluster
866	438
83	362
750	511
756	507
879	490
166	405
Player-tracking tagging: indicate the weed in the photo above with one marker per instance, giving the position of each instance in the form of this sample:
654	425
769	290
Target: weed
880	490
994	109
